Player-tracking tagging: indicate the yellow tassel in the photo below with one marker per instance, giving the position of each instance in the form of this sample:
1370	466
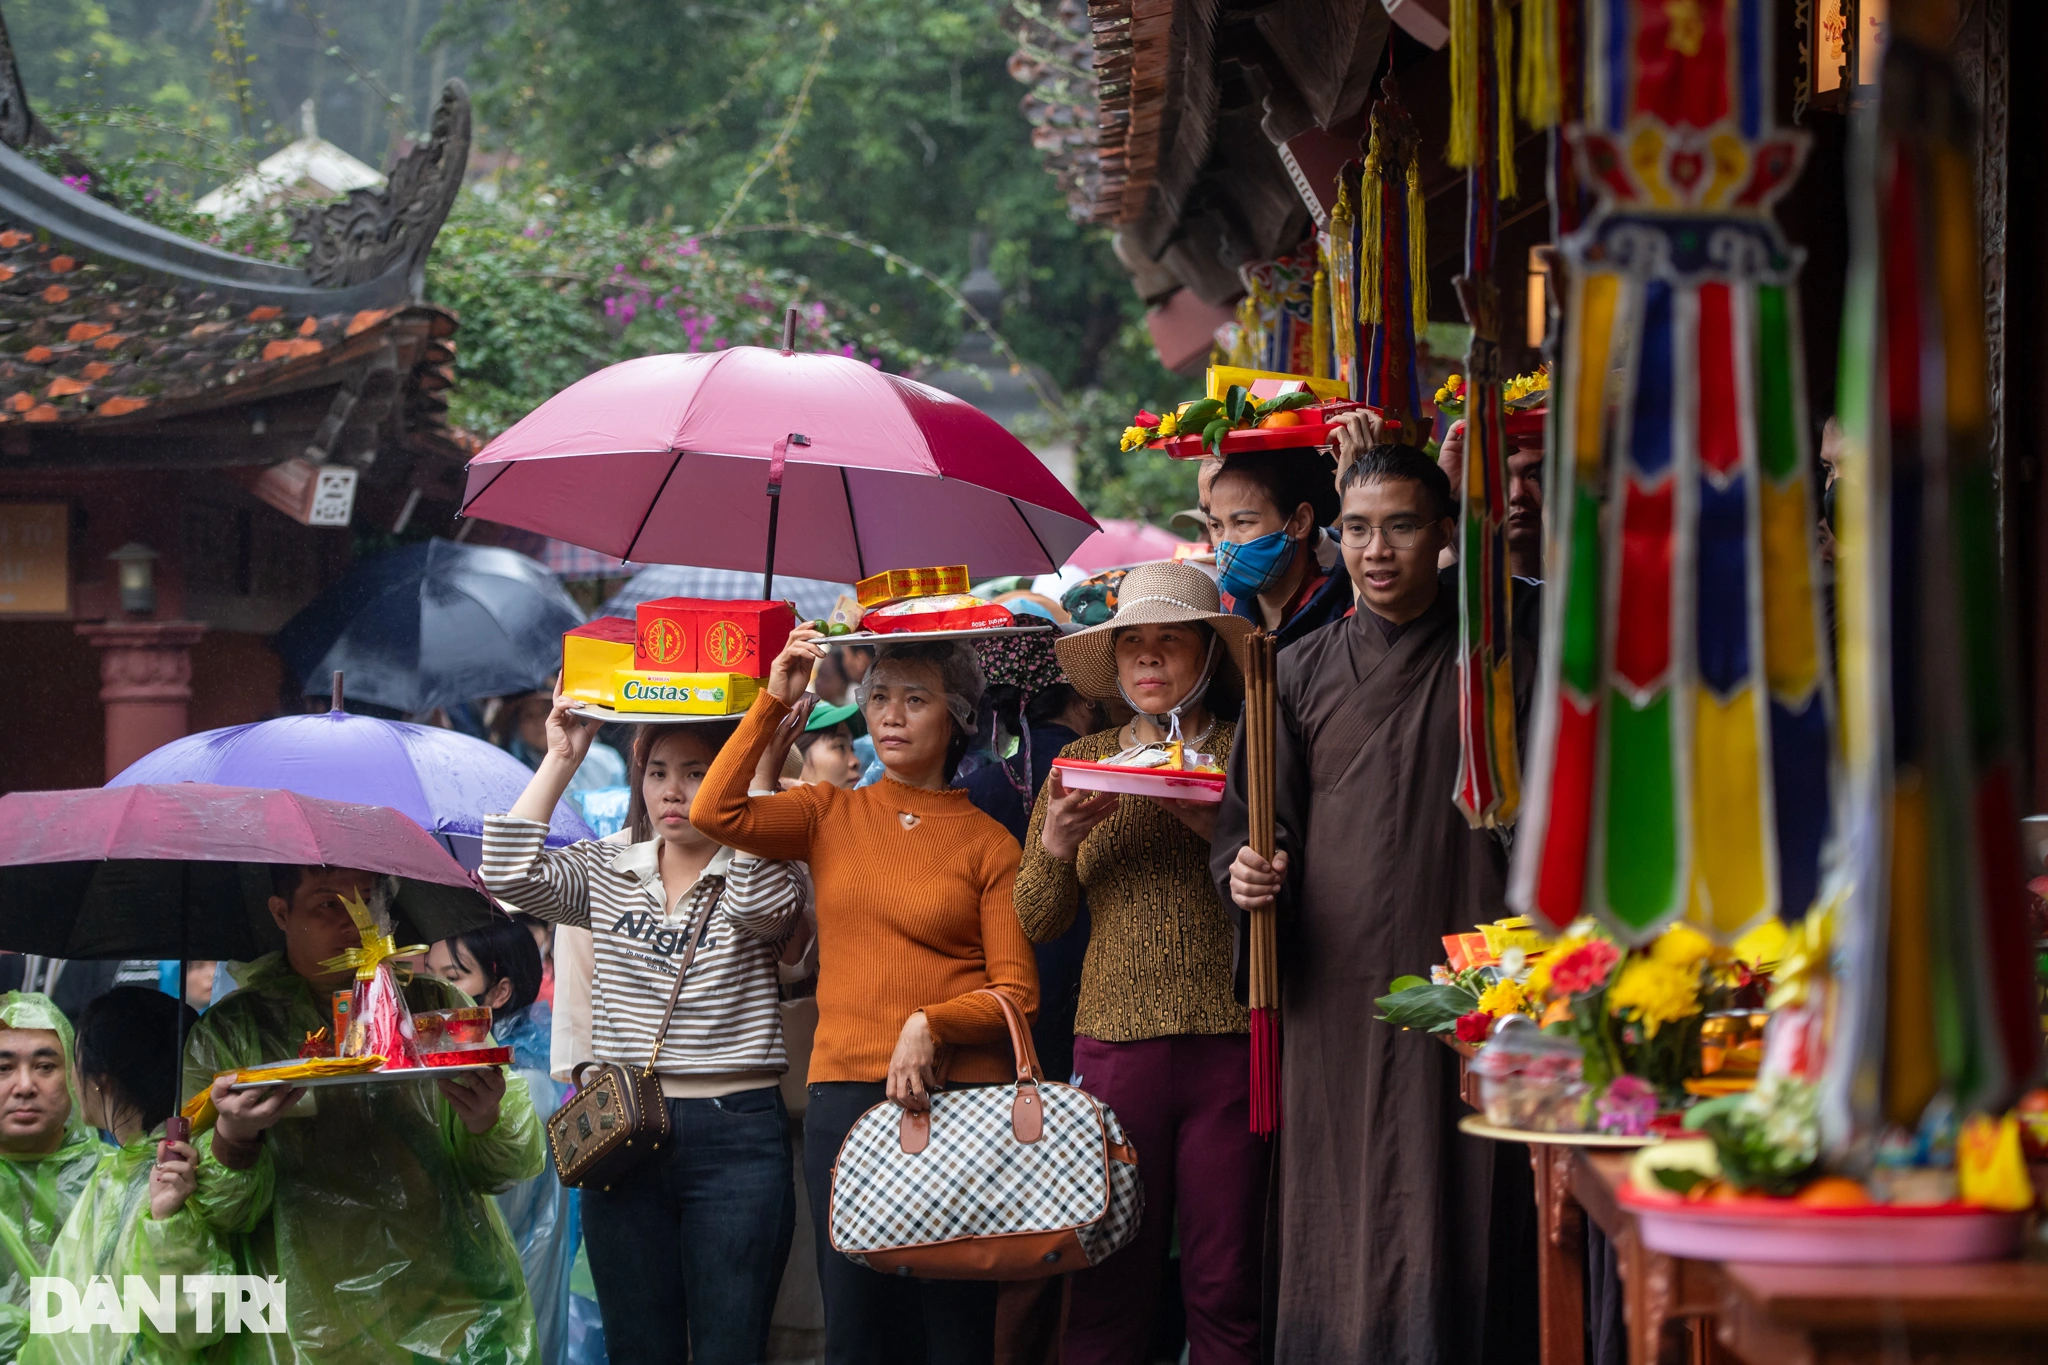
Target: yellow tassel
1343	270
1319	327
1503	63
1373	193
1418	248
1542	96
1464	144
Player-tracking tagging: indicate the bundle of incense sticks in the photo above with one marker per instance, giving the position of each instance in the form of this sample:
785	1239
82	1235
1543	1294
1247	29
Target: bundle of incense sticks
1264	971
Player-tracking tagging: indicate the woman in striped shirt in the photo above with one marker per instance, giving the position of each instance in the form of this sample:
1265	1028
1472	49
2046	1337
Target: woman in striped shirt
690	1246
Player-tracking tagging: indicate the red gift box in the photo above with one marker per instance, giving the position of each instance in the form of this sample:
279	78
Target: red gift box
704	635
959	618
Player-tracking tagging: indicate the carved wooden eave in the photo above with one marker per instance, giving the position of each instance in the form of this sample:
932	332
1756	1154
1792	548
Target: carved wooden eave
1192	101
124	344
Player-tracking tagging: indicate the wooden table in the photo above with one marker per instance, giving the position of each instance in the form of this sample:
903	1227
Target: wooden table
1686	1312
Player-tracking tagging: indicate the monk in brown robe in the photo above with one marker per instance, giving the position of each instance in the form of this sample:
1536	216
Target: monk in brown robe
1398	1240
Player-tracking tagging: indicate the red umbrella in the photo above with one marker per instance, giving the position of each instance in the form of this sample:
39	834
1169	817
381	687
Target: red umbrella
1120	544
686	459
182	869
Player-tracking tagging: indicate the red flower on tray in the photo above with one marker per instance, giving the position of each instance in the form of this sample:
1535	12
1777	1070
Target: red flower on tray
1473	1027
1584	968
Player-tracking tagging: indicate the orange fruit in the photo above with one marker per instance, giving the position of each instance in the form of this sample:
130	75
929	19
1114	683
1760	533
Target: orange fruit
1833	1192
1282	419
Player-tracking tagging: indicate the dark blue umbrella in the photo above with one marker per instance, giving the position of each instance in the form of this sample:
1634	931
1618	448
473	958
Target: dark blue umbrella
444	781
432	625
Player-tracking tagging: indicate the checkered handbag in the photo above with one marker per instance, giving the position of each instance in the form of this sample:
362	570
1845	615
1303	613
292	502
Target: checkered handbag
999	1182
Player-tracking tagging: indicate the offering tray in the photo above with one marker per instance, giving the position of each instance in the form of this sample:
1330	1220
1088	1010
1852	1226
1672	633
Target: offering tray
1786	1232
1477	1126
1177	784
492	1056
875	637
590	710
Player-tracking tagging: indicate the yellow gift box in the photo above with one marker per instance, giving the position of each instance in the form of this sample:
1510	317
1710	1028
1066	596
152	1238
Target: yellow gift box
877	589
1514	932
683	694
591	653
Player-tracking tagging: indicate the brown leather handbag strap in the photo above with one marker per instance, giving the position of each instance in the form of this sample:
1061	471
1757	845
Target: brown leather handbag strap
676	991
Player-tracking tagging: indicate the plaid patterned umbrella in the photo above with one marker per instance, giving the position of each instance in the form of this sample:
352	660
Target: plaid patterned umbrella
814	597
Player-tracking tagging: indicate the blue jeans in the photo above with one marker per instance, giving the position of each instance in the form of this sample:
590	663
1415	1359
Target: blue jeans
687	1249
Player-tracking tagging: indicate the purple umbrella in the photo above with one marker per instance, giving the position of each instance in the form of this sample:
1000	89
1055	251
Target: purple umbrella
445	781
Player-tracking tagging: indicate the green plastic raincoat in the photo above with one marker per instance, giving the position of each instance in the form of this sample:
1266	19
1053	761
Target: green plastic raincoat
378	1224
112	1233
38	1193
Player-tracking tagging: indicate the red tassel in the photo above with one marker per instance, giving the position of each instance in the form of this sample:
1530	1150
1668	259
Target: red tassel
1265	1094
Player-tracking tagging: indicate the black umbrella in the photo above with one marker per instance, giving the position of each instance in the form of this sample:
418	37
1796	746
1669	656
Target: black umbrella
183	870
432	625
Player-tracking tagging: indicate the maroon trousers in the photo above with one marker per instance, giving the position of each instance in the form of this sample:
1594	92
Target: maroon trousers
1185	1103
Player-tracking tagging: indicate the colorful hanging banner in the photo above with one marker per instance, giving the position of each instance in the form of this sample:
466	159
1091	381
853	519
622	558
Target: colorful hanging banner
1933	990
1482	140
1681	764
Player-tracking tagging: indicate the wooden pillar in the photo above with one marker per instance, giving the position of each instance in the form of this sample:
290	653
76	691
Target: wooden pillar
145	683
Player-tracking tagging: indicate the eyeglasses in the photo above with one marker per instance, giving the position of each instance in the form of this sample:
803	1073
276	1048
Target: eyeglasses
1401	535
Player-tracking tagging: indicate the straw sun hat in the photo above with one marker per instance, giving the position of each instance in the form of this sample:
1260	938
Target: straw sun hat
1151	594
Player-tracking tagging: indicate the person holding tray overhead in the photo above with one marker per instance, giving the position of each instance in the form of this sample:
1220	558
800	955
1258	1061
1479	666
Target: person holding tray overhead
371	1202
688	1246
1160	1038
914	917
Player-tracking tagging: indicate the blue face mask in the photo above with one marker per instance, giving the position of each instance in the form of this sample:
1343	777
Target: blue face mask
1248	569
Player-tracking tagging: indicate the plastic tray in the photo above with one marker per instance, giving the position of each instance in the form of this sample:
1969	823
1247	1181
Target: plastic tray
874	637
607	714
1476	1126
1168	782
1780	1232
408	1073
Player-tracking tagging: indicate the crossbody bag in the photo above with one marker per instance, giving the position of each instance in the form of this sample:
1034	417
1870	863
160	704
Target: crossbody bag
619	1119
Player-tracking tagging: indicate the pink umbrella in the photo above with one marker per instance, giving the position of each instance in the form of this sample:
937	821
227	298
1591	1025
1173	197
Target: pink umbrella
690	459
1121	543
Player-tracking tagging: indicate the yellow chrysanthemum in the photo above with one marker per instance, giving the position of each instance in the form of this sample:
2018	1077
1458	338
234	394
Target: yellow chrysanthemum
1502	997
1522	385
1657	992
1682	946
1134	437
1452	391
1169	425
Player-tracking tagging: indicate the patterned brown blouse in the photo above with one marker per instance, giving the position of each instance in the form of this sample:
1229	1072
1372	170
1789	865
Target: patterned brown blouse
1159	947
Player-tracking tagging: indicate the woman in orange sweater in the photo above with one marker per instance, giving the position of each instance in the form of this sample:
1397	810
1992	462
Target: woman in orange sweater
914	916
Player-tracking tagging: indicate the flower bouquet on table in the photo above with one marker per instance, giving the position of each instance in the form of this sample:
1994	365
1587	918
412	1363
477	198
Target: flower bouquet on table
1748	1175
1580	1034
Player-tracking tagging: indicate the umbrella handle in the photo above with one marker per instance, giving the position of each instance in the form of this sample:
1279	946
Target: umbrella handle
775	468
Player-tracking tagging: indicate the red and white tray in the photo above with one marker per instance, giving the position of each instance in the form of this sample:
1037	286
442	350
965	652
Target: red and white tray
1784	1232
1319	421
1175	783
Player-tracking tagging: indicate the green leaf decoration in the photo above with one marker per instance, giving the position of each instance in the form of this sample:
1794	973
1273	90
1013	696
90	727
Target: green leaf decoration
1213	434
1432	1008
1679	1180
1402	983
1287	402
